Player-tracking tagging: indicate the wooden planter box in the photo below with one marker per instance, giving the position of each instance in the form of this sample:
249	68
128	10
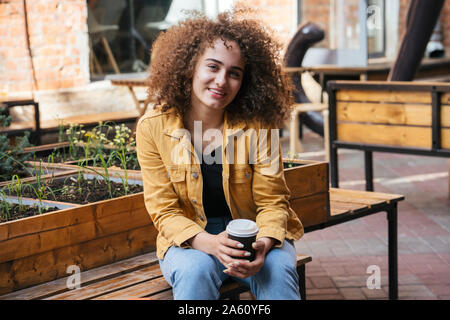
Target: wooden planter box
309	186
39	249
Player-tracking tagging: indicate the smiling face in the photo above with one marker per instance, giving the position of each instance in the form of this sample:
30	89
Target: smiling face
217	77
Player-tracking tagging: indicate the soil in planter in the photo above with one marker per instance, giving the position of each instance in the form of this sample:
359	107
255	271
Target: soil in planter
83	191
287	165
17	212
7	176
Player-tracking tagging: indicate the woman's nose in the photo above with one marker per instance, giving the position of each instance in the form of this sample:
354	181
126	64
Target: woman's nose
221	79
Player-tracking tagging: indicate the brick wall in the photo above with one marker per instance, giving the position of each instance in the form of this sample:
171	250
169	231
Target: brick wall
278	14
58	41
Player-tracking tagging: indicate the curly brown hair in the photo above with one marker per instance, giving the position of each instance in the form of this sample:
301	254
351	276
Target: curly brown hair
265	93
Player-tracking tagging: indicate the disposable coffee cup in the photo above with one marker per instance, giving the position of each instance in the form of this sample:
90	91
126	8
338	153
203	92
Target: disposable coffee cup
245	232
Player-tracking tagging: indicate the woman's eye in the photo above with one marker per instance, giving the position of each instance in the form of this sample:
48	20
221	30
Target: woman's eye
212	67
235	74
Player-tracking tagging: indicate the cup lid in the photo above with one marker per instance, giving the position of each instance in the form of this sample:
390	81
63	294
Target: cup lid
242	228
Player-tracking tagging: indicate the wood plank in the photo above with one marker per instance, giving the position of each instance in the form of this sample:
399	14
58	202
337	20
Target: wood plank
350	207
445	115
367	194
144	289
404	114
97	289
52	265
369	202
90	118
86	277
165	295
445	98
69	217
43	241
445	138
309	179
337	211
384	96
311	210
402	136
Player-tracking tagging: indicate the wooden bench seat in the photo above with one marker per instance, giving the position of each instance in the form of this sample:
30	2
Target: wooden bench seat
134	278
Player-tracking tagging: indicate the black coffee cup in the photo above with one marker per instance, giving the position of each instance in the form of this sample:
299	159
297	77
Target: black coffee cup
245	232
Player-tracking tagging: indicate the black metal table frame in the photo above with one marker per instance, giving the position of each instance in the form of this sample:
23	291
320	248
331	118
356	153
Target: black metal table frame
391	214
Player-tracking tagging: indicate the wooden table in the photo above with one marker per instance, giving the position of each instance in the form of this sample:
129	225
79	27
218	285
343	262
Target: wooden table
130	84
373	71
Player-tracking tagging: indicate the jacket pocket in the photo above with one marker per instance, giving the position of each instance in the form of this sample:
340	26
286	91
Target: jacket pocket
178	178
241	175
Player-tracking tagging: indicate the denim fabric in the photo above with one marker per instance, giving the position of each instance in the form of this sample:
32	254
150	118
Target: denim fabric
195	275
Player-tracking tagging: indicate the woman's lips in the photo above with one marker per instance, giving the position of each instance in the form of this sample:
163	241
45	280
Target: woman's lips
217	93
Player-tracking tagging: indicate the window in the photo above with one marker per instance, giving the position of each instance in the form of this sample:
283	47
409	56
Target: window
376	41
121	32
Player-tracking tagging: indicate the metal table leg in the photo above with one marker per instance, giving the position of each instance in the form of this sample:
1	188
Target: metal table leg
393	257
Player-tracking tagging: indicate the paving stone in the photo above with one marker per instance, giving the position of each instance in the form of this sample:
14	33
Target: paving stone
414	291
320	282
352	293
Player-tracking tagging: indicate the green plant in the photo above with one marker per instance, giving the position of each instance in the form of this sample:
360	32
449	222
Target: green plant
12	157
16	188
291	156
5	207
120	154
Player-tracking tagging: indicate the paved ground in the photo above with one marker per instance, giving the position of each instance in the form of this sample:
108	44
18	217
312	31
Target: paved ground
343	253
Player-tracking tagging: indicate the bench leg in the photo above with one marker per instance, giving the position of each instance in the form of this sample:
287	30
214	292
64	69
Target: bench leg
334	166
368	165
393	258
301	281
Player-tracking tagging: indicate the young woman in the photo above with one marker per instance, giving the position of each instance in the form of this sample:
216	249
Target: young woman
207	156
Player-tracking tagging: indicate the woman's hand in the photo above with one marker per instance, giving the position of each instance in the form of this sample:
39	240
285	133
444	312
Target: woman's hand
244	268
219	246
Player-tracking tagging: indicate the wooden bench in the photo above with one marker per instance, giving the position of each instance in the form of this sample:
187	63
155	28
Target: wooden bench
397	117
133	278
38	127
140	277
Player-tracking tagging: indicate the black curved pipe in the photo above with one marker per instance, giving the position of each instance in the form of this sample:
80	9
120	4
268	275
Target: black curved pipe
307	35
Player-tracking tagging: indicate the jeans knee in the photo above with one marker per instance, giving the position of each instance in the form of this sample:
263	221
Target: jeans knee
196	279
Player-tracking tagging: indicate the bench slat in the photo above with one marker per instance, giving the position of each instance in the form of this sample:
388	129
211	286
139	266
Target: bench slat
367	195
145	289
106	286
94	275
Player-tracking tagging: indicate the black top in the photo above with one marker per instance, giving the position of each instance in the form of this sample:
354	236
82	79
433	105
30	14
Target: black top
214	202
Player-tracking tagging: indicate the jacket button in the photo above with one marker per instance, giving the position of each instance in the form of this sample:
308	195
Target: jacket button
195	175
194	201
247	174
201	218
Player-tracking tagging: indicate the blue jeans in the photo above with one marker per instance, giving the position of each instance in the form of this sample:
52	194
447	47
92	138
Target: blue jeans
195	275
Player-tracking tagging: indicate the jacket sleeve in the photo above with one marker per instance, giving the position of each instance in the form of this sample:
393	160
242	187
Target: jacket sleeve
161	200
270	192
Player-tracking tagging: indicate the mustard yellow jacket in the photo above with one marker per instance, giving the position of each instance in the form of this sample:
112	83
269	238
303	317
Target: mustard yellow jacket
173	183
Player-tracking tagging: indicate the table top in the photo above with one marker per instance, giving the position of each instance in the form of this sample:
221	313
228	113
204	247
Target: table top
130	82
372	67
